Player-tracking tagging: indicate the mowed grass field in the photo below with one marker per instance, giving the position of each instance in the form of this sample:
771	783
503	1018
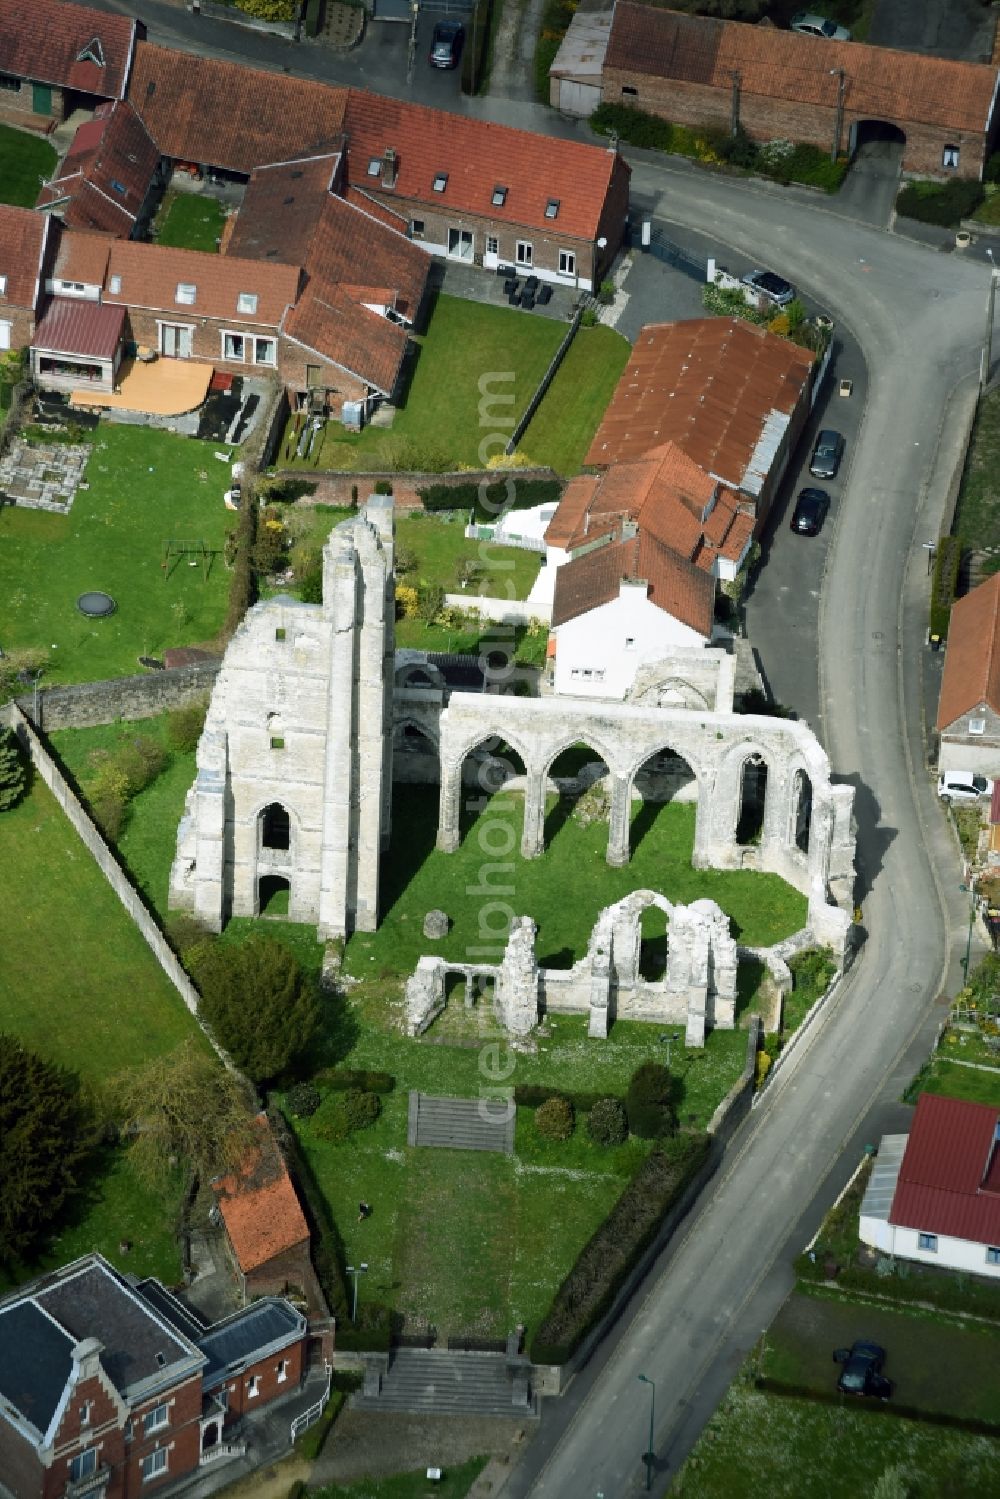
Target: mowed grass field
189	221
146	488
561	430
25	161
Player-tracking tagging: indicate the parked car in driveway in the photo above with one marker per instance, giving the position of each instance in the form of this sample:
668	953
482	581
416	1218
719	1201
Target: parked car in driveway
827	454
963	786
446	44
810	511
810	25
861	1373
771	287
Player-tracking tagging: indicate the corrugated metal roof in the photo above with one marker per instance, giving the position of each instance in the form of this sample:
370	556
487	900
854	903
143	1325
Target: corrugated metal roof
947	1177
885	1174
90	330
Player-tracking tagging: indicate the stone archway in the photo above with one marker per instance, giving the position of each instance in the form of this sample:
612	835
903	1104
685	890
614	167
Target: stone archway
274	895
751	811
275	827
576	777
663	777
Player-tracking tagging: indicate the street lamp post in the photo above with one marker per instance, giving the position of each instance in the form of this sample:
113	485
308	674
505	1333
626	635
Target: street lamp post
649	1456
356	1271
668	1041
838	128
970	888
990	302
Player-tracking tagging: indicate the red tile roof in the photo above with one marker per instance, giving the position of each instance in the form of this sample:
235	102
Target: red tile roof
881	83
259	1207
675	586
720	388
224	114
334	325
22	237
105	175
54	41
151	274
83	256
89	329
971	676
353	250
477	157
947	1179
571	510
282	207
377	210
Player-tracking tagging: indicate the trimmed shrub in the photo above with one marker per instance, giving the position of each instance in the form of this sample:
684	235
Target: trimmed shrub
383	486
554	1119
633	125
341	1115
184	726
602	1266
812	971
13	770
607	1122
942	203
303	1100
239	551
312	1441
532	1095
944	584
488	502
313	16
649	1102
342	1078
476	49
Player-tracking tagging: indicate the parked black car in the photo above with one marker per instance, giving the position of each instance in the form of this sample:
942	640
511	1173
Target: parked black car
446	44
862	1371
827	454
810	511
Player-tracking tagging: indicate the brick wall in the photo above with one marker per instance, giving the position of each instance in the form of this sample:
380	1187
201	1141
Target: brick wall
269	1386
206	337
613	217
181	1437
22	323
22	101
699	105
293	360
22	1472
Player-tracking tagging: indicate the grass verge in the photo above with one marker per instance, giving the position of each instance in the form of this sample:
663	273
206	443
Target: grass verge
25	161
977	515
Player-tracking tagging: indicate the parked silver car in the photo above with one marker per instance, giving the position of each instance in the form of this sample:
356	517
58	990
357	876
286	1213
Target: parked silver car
810	25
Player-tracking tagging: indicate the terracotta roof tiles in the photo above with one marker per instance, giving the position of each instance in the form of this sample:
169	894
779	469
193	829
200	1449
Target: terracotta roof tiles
337	327
22	236
71	46
103	180
674	585
150	276
881	83
972	659
261	1212
83	256
282	207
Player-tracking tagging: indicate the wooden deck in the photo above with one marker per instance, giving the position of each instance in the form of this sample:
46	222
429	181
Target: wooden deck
164	387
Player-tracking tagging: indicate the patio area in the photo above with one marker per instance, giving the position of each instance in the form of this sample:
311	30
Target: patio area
42	476
162	387
475	285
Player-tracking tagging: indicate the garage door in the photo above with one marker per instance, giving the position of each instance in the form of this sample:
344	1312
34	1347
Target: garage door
578	98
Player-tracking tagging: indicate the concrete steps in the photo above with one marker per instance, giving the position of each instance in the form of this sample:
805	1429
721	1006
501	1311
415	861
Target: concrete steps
440	1383
460	1124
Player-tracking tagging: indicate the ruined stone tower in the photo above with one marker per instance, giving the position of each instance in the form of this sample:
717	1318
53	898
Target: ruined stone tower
293	790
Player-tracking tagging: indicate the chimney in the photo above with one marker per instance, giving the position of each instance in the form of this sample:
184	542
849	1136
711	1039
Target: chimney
389	167
87	1359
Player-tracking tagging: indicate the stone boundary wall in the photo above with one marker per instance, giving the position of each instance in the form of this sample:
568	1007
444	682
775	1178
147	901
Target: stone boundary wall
503	611
107	863
554	1379
82	705
288	29
806	1024
334	486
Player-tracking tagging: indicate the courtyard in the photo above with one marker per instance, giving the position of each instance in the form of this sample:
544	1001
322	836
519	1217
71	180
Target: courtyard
25	161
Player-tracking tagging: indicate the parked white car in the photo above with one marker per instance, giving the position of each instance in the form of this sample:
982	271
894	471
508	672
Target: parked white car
809	25
963	786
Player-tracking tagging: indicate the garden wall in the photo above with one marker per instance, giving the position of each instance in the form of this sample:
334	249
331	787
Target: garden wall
288	29
503	611
83	705
108	864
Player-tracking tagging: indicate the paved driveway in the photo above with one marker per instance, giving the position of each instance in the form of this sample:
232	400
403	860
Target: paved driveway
947	28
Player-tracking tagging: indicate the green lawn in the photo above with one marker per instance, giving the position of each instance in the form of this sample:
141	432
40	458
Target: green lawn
25	161
441	422
189	221
77	982
563	427
455	1484
977	516
974	1084
794	1449
146	487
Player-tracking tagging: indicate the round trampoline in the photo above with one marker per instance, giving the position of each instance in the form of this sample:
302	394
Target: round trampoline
96	605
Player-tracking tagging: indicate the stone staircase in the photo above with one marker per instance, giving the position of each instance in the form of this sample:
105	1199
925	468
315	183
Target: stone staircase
460	1123
436	1382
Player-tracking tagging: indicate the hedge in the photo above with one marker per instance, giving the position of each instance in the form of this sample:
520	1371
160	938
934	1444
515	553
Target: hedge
967	1294
603	1264
475	51
877	1407
310	1443
489	503
313	16
944	586
533	1095
942	203
342	1079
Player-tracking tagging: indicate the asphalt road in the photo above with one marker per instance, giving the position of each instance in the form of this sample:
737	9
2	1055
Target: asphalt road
917	318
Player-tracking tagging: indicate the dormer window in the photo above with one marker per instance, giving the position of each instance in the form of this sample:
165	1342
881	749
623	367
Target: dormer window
374	166
246	301
186	293
440	181
114	286
552	208
499	196
92	52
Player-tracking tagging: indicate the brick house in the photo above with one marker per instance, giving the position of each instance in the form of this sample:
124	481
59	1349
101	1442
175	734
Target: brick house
968	716
111	1387
638	551
693	70
25	247
110	178
56	57
733	397
266	1231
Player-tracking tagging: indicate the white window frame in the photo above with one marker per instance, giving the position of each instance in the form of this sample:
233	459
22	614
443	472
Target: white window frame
84	1465
162	323
154	1464
114	286
993	1254
156	1419
186	293
85	1410
492	244
246	301
977	726
630	642
416	228
524	253
5	328
265	340
282	1370
950	156
928	1243
228	333
440	182
567	262
3	286
253	1387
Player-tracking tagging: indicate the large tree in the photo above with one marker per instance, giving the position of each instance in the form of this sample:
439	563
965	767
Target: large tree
46	1131
263	1008
13	770
184	1108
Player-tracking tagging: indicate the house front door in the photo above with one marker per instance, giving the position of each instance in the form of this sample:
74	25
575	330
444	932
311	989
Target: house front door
41	98
175	341
460	244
